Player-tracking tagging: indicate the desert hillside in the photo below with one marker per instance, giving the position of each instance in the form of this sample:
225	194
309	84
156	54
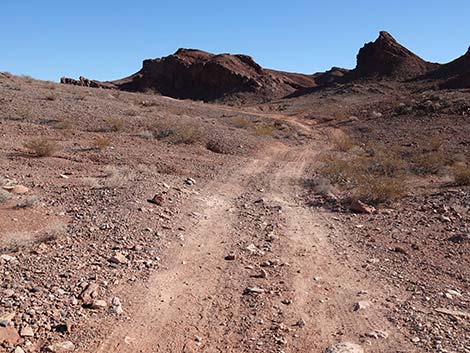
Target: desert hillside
207	204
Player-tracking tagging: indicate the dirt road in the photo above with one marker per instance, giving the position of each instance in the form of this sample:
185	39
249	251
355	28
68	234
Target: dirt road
288	287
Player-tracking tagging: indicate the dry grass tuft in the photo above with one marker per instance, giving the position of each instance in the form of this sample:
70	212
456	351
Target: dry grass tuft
241	122
177	132
378	177
101	143
461	175
217	146
380	189
343	143
148	135
113	124
27	202
42	146
264	130
429	163
435	144
51	97
5	196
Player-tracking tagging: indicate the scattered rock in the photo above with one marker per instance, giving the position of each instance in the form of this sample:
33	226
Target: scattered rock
460	238
230	257
118	258
90	292
253	249
400	250
190	181
7	258
9	335
61	347
19	350
361	305
16	189
156	200
345	347
27	331
377	334
360	207
253	290
98	304
455	313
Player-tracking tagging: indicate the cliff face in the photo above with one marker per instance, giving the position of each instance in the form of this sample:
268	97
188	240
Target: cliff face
385	57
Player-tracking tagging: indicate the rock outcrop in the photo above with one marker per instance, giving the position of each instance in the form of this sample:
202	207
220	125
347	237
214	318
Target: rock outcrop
455	74
195	74
386	58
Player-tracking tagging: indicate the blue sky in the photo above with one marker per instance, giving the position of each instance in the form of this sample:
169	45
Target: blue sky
109	39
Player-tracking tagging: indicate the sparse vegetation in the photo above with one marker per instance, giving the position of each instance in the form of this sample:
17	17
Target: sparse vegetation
42	146
461	175
343	143
101	143
145	135
429	162
375	177
5	196
27	78
435	144
217	146
380	189
113	125
177	132
23	113
241	122
264	130
64	125
27	202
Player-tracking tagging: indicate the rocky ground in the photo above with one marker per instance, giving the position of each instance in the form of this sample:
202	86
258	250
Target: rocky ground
236	252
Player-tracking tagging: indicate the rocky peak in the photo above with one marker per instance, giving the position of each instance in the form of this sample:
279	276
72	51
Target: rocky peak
385	57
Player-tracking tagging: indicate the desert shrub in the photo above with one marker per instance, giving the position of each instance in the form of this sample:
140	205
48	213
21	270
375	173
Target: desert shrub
5	196
380	161
217	146
374	179
435	144
27	202
115	177
320	185
177	132
338	170
241	122
343	143
379	189
429	162
42	146
63	125
23	113
101	142
462	175
27	78
113	124
145	135
264	130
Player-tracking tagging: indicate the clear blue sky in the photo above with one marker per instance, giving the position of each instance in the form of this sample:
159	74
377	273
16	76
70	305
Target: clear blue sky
108	39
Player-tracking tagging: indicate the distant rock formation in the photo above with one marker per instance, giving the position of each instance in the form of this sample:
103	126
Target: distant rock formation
386	58
195	74
83	81
455	74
